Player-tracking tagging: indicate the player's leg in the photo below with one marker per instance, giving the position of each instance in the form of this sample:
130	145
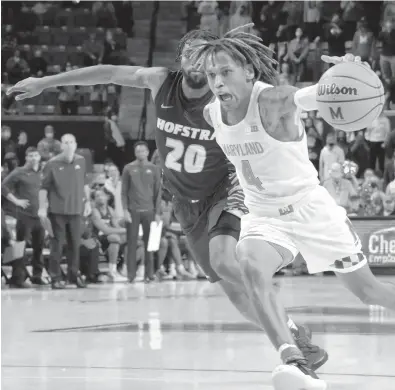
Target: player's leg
223	237
362	283
259	260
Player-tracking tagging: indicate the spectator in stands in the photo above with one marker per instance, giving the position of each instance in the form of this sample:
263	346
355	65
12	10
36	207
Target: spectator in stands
285	74
269	22
331	153
352	12
64	197
49	147
92	50
98	99
389	171
293	11
7	144
209	16
388	205
376	135
112	53
343	189
314	142
364	43
68	96
388	11
311	19
124	15
111	235
341	137
387	56
113	185
240	13
21	187
298	50
21	147
377	203
104	13
8	45
335	37
38	64
141	198
359	152
389	145
17	68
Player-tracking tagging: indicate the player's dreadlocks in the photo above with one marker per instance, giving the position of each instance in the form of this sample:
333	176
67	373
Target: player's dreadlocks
189	37
244	48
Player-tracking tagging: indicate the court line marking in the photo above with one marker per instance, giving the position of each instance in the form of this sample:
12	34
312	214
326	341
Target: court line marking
193	369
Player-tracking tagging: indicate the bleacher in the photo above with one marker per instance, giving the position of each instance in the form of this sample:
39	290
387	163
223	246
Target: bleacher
60	38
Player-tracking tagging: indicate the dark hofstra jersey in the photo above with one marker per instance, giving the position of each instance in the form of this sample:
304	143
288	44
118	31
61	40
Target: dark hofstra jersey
193	163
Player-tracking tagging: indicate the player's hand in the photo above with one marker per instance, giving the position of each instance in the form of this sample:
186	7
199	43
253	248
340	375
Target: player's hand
27	88
23	203
158	218
347	58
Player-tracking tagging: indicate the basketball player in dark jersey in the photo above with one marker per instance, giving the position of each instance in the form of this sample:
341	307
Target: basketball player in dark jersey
207	198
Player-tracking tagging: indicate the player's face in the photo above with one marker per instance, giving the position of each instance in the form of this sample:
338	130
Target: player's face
193	74
230	82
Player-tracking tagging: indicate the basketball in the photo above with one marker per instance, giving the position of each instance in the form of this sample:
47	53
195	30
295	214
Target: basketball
350	96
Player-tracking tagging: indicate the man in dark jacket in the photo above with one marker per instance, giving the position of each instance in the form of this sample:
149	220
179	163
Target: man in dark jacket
141	199
64	197
21	188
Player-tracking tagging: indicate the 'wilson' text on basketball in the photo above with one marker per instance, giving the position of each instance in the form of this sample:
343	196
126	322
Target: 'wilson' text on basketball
333	89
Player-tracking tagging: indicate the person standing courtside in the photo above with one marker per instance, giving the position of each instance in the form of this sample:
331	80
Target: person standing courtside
141	199
21	188
64	197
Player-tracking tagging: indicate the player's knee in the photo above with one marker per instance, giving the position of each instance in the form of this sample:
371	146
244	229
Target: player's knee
223	256
258	257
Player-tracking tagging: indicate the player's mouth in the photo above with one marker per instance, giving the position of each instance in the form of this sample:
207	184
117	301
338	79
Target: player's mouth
225	97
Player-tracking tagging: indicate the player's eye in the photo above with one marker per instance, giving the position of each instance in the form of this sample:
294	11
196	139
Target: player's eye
211	75
225	73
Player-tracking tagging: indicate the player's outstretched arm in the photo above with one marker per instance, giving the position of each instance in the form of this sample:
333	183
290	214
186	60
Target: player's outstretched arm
130	76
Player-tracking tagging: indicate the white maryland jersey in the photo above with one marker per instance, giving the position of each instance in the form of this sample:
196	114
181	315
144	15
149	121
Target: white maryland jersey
272	173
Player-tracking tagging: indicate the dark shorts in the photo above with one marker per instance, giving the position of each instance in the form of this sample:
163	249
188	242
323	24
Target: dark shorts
218	214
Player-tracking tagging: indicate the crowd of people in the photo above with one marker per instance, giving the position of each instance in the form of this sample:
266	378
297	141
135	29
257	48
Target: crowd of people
298	32
29	49
357	168
106	232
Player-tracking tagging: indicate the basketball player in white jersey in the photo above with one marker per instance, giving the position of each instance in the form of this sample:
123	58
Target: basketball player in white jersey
258	127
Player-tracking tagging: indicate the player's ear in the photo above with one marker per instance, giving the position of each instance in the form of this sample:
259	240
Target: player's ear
249	72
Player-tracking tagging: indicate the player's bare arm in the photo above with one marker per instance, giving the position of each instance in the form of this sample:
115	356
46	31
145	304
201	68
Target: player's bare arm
278	105
128	76
277	110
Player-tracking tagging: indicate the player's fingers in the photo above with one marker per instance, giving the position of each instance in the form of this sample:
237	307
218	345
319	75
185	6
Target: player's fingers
22	96
349	57
357	59
331	59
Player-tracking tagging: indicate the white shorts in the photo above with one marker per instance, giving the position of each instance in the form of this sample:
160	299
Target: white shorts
316	227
